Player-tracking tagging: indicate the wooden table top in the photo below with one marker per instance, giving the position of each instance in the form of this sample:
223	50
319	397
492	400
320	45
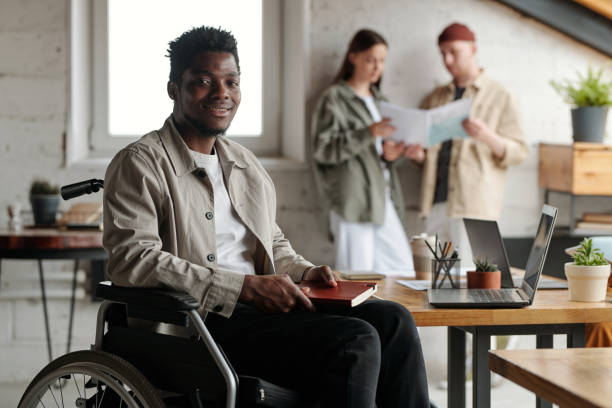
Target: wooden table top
550	306
579	377
49	238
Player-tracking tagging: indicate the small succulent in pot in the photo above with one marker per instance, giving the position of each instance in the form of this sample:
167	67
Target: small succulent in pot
485	265
486	276
586	255
43	187
587	276
44	198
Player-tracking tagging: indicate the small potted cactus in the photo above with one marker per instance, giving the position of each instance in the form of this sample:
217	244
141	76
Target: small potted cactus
587	276
44	198
486	276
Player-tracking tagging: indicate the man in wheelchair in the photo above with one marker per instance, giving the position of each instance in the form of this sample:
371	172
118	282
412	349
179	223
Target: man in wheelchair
189	209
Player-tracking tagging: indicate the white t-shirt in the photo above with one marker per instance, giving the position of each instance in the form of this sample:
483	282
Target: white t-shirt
371	105
235	242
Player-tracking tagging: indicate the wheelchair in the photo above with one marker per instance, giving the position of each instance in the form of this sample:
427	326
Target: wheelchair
133	367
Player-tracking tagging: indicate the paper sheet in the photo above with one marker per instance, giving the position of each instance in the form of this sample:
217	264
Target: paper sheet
427	127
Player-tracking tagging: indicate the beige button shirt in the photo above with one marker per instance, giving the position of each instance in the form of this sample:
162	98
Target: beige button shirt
476	178
158	230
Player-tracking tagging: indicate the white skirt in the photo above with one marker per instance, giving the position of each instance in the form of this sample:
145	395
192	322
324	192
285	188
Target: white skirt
365	246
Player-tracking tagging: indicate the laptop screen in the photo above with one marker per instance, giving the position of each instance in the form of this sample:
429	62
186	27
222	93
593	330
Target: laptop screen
486	243
537	255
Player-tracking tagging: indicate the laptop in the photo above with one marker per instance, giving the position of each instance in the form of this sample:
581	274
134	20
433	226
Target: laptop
486	243
505	297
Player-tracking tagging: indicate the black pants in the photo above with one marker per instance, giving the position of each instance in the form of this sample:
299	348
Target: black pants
370	354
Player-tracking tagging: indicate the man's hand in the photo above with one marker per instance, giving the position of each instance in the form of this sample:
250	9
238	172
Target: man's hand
415	152
480	131
273	293
321	273
477	129
384	128
392	150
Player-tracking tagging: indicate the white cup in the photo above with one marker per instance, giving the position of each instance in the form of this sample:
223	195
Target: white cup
421	255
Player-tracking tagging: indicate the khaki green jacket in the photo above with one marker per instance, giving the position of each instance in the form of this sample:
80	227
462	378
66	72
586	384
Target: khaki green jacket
156	231
476	178
349	176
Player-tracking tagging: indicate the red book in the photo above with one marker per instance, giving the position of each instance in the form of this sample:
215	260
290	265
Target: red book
347	294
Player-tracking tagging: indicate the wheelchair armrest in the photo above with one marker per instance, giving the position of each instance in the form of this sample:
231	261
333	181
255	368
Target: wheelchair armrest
158	299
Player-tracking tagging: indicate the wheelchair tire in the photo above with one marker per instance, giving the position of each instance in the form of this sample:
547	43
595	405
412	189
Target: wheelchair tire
110	381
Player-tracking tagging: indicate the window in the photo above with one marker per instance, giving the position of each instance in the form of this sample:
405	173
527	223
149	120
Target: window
119	71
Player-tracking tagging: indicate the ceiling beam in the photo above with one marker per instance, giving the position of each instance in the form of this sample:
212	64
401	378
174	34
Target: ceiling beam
571	18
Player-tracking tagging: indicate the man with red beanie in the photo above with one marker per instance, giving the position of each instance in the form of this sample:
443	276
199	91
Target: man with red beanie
466	177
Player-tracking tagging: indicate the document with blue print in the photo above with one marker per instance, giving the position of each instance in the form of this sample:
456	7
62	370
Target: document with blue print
427	127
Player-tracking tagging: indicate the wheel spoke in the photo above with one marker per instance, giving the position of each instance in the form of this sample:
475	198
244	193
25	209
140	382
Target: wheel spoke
53	395
84	388
76	385
41	403
59	380
102	397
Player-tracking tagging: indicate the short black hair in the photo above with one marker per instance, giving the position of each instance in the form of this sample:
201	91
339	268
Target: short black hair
183	49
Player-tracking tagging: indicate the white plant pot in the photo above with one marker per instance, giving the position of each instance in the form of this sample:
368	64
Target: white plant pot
587	283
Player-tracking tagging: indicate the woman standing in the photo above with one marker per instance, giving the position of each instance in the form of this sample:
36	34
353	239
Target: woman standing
355	164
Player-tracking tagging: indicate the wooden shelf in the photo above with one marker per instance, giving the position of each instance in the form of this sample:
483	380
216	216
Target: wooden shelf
579	169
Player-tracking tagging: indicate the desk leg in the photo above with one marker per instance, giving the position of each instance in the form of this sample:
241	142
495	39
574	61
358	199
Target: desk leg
481	376
577	337
456	368
543	341
46	313
71	317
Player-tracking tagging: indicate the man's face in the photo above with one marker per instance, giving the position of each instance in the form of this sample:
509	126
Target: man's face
458	56
209	93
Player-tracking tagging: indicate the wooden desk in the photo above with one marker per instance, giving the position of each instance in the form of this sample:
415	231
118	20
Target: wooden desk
51	243
552	313
569	378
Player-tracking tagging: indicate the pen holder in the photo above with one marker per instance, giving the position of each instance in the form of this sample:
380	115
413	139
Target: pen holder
445	273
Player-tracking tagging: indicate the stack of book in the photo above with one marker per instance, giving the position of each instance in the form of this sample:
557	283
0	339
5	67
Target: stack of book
594	224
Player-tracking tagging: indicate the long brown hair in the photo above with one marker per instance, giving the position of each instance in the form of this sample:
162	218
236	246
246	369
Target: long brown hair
363	40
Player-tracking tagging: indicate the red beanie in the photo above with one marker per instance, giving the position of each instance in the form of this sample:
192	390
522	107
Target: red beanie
456	32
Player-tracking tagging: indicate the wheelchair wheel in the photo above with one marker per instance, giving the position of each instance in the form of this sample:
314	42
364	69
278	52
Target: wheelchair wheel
90	379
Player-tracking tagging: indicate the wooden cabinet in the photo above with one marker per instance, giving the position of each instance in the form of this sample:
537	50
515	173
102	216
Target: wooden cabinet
581	168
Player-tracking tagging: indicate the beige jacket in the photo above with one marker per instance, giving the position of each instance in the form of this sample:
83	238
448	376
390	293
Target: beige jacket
476	177
156	228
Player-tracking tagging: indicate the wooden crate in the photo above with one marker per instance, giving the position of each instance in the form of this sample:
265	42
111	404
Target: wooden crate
581	168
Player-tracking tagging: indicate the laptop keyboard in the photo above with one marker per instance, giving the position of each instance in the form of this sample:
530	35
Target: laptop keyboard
494	295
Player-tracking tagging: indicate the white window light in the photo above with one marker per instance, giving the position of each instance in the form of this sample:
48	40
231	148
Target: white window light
127	65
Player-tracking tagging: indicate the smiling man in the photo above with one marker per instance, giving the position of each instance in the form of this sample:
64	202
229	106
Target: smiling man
187	208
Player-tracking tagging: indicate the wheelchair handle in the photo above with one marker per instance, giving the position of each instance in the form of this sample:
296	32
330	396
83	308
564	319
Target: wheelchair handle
80	188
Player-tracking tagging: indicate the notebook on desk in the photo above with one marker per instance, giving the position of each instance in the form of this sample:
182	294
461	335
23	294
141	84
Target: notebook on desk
505	297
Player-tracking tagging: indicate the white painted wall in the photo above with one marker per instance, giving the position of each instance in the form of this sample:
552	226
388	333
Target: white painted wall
521	53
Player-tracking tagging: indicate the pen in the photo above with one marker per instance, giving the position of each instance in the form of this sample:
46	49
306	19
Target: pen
432	251
450	244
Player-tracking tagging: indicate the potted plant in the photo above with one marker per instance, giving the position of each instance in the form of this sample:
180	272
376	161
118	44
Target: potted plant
587	276
486	276
44	198
591	95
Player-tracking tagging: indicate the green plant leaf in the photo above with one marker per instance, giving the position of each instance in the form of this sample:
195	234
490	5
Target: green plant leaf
589	90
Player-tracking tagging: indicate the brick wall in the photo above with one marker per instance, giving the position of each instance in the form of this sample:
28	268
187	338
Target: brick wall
518	51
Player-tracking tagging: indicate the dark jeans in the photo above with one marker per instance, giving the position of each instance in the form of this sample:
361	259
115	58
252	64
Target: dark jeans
370	354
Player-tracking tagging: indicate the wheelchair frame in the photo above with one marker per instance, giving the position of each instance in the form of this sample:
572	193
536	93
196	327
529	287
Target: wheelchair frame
184	304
